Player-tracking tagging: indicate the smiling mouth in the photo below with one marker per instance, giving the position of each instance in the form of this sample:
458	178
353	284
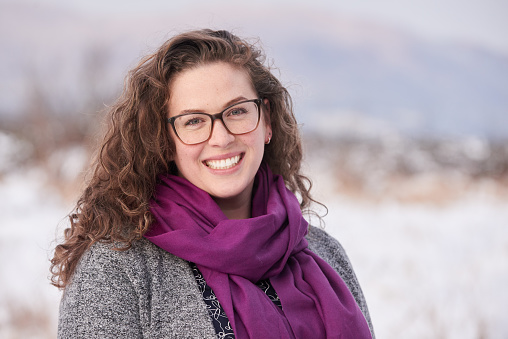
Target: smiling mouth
223	163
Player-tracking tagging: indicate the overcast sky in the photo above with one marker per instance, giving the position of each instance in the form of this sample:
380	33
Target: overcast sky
482	22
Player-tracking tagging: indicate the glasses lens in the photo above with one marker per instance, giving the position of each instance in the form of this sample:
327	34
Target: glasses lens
193	128
241	118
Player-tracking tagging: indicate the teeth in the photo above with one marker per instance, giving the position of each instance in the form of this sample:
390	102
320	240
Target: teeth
224	163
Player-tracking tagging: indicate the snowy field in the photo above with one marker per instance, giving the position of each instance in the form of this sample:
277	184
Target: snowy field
434	269
428	271
29	214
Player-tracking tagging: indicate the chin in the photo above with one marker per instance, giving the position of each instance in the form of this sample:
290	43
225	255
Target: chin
226	194
232	191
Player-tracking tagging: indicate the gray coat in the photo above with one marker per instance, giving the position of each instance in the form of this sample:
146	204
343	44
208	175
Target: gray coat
146	292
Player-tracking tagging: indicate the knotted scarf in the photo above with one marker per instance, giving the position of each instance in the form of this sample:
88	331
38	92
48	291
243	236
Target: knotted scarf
234	254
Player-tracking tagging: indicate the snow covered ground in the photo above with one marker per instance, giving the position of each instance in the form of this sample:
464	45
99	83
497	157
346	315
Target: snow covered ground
434	269
29	215
428	271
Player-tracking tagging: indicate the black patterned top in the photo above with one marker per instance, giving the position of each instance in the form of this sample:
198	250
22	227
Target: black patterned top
219	318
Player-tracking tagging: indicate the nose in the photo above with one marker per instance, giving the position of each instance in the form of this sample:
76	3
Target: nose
220	135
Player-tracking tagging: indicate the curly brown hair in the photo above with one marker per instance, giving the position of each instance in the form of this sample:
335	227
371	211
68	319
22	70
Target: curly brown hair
137	146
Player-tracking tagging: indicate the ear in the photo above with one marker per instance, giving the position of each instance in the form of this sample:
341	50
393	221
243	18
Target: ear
268	123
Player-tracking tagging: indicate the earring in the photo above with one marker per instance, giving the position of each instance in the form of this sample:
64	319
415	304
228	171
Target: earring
269	139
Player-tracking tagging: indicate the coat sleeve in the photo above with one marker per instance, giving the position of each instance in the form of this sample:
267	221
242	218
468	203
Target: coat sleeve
329	249
100	301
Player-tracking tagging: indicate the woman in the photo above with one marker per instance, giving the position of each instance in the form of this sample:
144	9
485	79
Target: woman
189	226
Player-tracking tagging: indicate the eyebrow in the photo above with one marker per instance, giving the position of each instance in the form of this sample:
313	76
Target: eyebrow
227	104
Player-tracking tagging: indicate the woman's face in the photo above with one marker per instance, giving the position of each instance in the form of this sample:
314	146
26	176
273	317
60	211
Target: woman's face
211	88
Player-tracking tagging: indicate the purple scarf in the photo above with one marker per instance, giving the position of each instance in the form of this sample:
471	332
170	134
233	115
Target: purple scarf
234	254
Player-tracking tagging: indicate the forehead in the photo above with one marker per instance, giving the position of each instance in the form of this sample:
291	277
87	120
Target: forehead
208	87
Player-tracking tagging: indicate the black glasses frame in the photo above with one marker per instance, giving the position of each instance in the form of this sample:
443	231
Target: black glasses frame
217	116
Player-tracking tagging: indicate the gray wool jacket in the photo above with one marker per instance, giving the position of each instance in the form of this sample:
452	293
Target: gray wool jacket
146	292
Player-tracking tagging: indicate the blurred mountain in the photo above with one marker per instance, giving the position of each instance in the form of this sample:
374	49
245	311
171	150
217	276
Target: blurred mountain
363	78
347	76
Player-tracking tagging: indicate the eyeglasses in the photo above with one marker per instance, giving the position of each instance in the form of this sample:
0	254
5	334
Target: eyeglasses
195	128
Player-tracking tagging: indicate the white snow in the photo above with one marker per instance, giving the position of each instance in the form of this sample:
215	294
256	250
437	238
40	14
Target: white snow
429	271
29	215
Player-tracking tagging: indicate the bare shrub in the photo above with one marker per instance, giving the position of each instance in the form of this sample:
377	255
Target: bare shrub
58	128
413	170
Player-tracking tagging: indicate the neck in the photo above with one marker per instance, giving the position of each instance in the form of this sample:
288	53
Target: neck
238	207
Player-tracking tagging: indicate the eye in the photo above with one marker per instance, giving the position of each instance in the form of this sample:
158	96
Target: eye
236	111
193	121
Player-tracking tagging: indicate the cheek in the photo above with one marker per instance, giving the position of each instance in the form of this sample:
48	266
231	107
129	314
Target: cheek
186	154
186	157
257	142
182	151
